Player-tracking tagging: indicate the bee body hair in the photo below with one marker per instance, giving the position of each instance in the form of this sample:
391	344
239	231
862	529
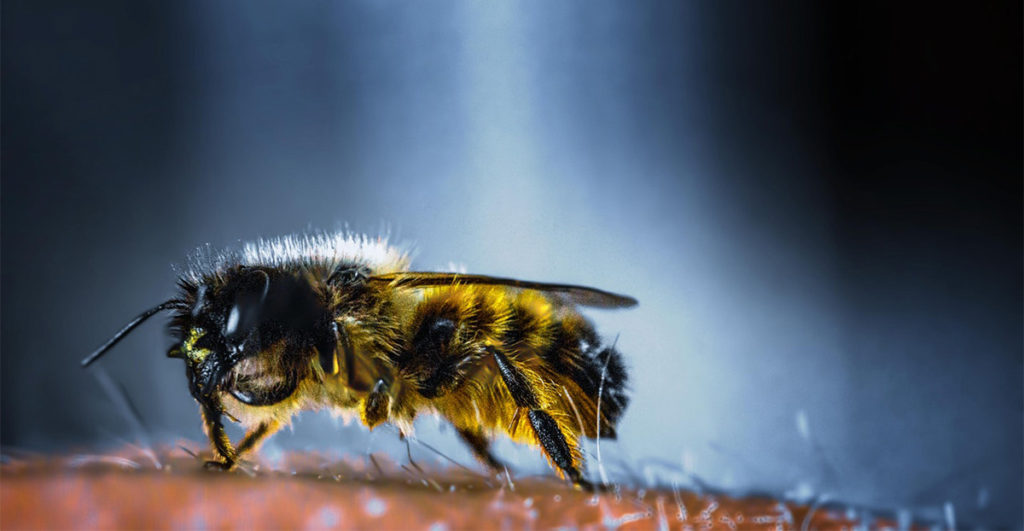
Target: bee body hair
486	357
338	322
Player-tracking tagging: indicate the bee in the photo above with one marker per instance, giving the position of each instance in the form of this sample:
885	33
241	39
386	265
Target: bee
338	321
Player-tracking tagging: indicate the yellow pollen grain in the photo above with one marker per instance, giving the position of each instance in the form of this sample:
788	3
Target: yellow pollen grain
195	354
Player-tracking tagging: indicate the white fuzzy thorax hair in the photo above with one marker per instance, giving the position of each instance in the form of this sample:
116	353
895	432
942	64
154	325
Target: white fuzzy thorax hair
328	249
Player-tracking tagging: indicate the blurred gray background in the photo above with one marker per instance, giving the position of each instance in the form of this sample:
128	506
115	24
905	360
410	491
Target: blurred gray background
819	209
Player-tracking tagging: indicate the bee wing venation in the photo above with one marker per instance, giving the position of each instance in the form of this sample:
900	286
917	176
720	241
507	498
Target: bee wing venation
579	295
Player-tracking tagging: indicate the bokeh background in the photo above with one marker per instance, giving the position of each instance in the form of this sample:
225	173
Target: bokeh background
818	207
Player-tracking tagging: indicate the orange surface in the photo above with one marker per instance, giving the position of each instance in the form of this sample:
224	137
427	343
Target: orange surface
127	490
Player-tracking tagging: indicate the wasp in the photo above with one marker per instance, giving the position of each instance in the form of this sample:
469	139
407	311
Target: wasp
338	321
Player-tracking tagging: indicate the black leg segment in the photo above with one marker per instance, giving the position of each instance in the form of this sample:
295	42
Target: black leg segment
256	436
553	441
548	433
215	429
517	385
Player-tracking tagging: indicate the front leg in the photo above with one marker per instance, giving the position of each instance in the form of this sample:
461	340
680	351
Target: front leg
218	439
222	444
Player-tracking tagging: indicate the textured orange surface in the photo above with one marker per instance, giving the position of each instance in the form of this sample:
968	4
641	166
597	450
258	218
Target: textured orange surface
128	491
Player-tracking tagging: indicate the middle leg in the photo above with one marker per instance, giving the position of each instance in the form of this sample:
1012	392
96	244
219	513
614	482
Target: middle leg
481	447
257	435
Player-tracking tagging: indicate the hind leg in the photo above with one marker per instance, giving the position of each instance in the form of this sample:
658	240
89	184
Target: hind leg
452	337
558	449
559	443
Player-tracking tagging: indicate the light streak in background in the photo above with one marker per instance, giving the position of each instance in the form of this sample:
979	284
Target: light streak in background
554	173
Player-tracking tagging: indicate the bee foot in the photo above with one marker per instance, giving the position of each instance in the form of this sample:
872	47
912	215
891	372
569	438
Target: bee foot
583	485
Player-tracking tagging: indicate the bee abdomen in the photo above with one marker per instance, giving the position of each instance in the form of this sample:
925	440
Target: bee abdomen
453	329
596	371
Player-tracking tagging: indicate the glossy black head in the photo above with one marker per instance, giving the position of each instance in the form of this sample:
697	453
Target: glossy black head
251	334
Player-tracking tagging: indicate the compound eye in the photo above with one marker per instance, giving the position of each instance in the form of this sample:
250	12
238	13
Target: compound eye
246	311
231	326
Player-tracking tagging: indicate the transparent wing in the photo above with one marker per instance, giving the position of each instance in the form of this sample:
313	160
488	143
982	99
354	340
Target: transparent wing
580	295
